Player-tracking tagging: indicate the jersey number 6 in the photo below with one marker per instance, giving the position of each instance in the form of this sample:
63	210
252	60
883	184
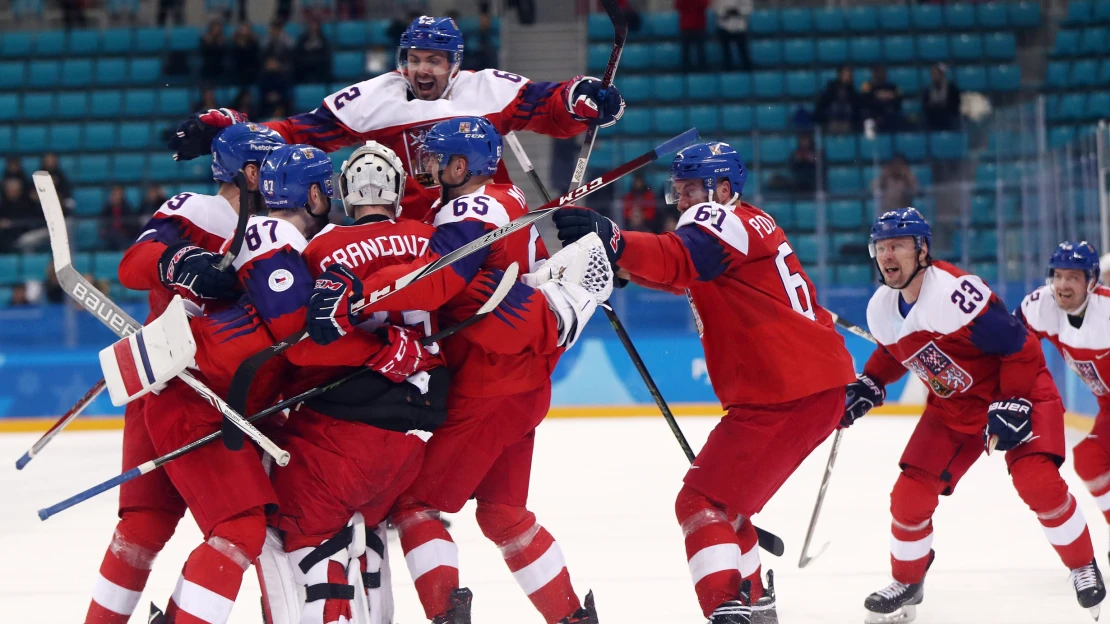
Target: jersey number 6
796	288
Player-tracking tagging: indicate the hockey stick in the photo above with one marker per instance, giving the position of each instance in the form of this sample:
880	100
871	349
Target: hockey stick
768	541
77	287
244	374
57	428
620	34
494	300
806	558
245	210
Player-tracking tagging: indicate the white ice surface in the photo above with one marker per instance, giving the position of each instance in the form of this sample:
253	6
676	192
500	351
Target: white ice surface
605	490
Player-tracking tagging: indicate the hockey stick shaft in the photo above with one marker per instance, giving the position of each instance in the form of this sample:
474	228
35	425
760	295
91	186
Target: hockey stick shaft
491	304
853	328
241	225
77	287
62	423
620	34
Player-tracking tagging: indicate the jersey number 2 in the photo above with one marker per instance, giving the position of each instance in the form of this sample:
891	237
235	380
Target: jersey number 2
796	288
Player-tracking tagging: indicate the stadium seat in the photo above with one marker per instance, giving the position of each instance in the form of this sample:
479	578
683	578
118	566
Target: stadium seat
1055	76
128	167
959	16
805	247
1079	13
735	85
796	21
30	138
855	274
144	71
765	52
1092	41
948	145
840	148
348	65
378	32
38	106
697	86
1004	77
117	40
1000	45
77	72
1104	72
73	105
905	78
967	47
91	168
43	73
110	71
763	22
1100	12
1060	135
780	211
668	120
65	137
50	43
139	102
33	266
184	38
737	118
306	97
1025	14
106	263
832	51
798	51
352	34
87	234
668	87
12	74
862	19
971	78
599	27
805	215
844	180
597	56
663	25
767	84
632	148
635	56
163	168
99	136
932	48
83	41
704	118
173	102
894	17
992	15
665	55
865	50
898	49
775	150
1066	44
149	39
1071	107
9	268
801	84
828	20
16	44
30	163
927	16
1098	105
635	121
9	106
911	145
105	104
136	135
880	148
770	117
1084	73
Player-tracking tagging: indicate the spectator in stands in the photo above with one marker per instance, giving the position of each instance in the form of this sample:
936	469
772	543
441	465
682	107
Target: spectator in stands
691	31
246	55
732	30
117	229
19	296
168	7
61	181
896	184
803	165
207	100
279	45
481	54
669	222
73	14
638	206
274	85
882	101
13	168
213	53
19	215
838	107
51	289
153	199
244	103
312	62
940	102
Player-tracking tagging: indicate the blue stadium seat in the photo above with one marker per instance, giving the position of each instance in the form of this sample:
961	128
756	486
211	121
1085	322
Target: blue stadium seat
136	135
972	78
597	56
1104	72
65	137
854	274
637	88
1084	73
967	47
100	136
771	117
631	148
927	16
796	21
1066	44
306	97
110	71
139	102
668	120
906	78
898	49
128	167
1025	14
599	27
862	18
379	32
1092	41
149	39
775	150
91	168
34	265
349	64
9	269
780	211
635	121
767	84
840	148
30	163
77	72
1079	13
801	84
144	71
11	74
1100	14
844	180
16	44
932	48
87	234
668	87
1070	107
173	102
948	145
763	22
805	215
697	86
798	51
1004	77
992	15
1098	105
829	20
735	85
43	73
865	50
73	105
737	118
910	144
83	41
352	34
846	214
665	55
832	51
959	16
163	168
704	118
1055	76
894	17
983	210
1000	45
880	148
9	106
106	263
30	138
50	43
38	106
765	52
604	155
105	104
986	175
118	41
635	56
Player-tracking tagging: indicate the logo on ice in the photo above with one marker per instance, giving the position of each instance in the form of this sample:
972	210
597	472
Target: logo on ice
943	376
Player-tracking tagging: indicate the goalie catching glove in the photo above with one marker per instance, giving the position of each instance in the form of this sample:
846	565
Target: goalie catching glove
191	271
574	281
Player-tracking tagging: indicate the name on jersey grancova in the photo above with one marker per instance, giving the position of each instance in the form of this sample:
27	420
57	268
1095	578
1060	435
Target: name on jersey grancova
368	249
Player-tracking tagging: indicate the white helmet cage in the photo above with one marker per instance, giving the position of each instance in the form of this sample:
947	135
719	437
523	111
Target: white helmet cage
373	175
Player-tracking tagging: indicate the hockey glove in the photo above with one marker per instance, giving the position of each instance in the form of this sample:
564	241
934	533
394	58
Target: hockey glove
329	314
191	272
587	101
573	223
862	396
1010	423
194	136
402	355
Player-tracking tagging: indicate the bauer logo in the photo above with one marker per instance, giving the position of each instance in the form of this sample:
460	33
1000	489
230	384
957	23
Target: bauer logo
943	376
103	309
281	280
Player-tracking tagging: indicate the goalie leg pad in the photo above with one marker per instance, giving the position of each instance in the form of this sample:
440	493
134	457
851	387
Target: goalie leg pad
572	305
282	595
146	360
582	263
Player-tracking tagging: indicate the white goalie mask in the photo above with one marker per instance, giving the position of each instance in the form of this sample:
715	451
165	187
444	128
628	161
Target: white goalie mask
372	176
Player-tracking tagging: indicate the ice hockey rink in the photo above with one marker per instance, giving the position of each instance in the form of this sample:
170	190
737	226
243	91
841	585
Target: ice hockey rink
605	488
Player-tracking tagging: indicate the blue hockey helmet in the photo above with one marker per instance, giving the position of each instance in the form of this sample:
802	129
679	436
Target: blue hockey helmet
432	33
898	223
1081	256
708	162
239	144
289	171
474	138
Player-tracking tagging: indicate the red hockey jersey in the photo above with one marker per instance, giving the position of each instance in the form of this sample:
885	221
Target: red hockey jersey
961	341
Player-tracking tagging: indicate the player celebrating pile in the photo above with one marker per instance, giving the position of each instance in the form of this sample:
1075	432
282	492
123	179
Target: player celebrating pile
398	108
757	316
990	389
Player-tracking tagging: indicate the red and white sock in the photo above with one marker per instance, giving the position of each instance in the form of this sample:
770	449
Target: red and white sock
1038	482
138	538
909	550
208	584
720	554
1092	464
1066	529
431	555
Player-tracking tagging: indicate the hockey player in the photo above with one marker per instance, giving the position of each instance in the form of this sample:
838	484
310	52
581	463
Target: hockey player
501	386
757	316
176	253
398	108
991	390
1071	312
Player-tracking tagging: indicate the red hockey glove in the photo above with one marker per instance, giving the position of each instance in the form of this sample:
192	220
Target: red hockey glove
194	136
329	313
587	101
402	355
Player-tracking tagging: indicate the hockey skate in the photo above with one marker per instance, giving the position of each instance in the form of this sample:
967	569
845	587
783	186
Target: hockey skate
1089	588
763	610
737	611
896	603
586	615
459	613
156	616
